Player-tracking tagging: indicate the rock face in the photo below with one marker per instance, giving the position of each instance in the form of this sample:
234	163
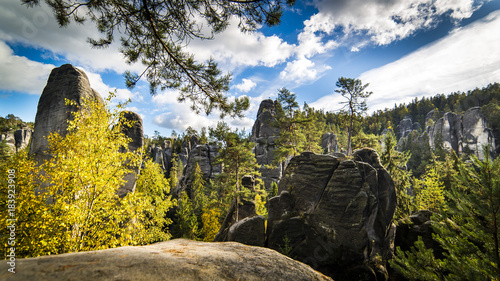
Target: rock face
178	259
18	139
329	143
135	133
475	133
65	82
264	134
203	155
22	138
249	231
465	134
335	214
404	127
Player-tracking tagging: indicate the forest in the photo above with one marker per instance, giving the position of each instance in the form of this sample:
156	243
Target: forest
73	204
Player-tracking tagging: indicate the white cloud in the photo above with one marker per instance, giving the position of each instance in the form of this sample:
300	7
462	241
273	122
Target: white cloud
122	94
302	70
246	85
21	74
463	60
235	48
37	27
385	21
179	116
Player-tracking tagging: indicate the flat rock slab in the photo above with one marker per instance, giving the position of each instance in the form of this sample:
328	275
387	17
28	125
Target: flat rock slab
178	259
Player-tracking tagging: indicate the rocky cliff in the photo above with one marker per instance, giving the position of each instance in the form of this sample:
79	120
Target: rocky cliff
65	82
18	139
465	133
264	134
173	260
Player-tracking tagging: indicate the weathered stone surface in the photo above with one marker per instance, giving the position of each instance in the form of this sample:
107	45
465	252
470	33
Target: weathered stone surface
9	139
264	134
306	177
404	127
203	155
65	82
249	231
329	143
475	133
136	135
465	134
22	137
335	214
178	259
246	209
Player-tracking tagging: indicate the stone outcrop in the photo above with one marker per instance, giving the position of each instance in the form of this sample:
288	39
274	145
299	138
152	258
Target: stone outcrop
404	127
178	259
136	135
203	155
335	214
249	231
68	82
22	138
264	134
329	143
475	133
465	134
17	140
246	209
65	82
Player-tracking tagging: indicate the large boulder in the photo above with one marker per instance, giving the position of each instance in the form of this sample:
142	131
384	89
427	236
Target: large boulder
335	214
178	259
65	82
264	134
249	231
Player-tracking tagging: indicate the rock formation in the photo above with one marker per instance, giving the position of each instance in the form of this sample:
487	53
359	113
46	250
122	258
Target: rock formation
465	134
22	138
135	133
68	82
335	214
264	134
65	82
178	259
332	213
203	155
329	143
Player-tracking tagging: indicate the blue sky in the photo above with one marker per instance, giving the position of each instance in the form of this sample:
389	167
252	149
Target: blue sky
403	48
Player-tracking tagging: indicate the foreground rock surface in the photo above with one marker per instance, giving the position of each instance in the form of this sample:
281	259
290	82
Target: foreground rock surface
178	259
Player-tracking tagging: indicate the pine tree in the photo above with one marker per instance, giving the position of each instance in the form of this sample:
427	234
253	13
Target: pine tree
288	120
354	91
237	158
187	222
429	191
311	129
155	34
467	229
395	163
